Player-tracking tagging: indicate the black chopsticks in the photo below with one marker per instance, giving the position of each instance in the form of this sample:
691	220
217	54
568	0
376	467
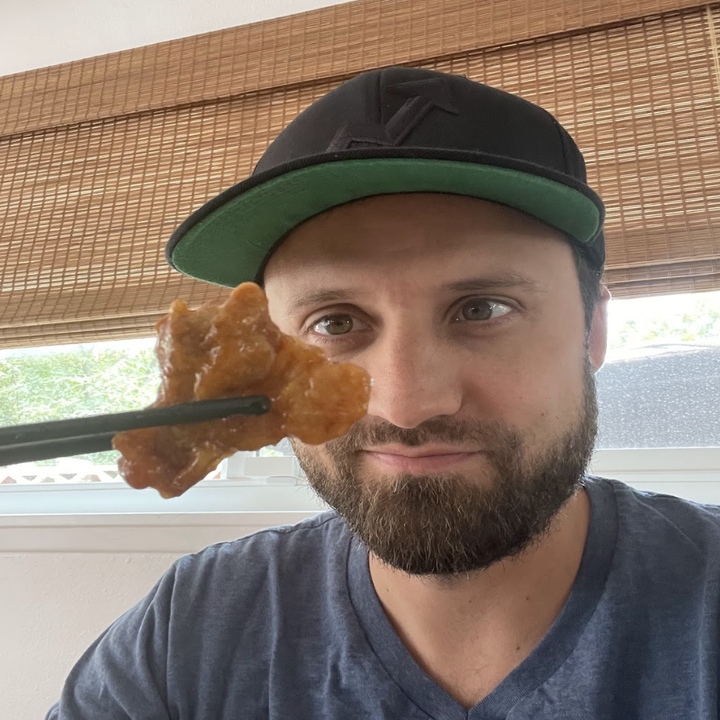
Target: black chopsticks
60	438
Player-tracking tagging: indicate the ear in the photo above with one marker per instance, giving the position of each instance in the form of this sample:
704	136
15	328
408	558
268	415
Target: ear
597	338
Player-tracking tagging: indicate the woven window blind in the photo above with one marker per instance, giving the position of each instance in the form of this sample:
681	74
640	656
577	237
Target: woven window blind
102	158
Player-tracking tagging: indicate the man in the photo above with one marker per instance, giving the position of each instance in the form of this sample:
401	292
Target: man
439	233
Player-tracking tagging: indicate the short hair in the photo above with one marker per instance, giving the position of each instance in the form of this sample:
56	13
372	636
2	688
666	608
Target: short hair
589	284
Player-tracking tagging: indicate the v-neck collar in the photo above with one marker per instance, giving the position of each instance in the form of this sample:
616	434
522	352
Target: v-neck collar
555	647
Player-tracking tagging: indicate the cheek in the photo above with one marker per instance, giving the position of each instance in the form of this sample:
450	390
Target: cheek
530	390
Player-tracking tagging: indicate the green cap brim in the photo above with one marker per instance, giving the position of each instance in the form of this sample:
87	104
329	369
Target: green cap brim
231	244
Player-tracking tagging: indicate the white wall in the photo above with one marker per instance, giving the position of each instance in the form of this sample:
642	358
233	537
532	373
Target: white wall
37	33
65	578
53	604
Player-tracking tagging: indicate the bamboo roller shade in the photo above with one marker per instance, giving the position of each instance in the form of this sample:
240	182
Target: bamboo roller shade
100	160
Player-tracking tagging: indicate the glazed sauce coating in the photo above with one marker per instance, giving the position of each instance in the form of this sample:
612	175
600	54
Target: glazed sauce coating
230	350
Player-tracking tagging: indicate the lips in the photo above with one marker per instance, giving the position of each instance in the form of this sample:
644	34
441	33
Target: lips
419	460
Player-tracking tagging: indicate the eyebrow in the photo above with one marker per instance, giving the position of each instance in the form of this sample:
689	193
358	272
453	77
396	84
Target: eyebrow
498	282
477	284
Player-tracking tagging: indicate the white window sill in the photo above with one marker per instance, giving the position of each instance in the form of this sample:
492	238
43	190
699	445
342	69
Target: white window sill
112	517
691	473
246	495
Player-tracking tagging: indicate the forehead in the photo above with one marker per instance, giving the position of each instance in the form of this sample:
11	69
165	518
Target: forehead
409	236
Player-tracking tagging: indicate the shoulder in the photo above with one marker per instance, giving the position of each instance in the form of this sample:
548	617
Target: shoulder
657	518
284	551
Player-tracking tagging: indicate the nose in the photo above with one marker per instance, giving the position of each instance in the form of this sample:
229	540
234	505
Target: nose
414	379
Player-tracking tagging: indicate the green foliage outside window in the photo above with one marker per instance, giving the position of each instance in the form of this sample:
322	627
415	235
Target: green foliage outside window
79	381
700	325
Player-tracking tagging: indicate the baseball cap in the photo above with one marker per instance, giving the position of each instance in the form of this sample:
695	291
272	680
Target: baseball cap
386	131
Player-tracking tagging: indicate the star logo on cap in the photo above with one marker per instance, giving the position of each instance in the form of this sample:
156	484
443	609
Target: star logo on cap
422	96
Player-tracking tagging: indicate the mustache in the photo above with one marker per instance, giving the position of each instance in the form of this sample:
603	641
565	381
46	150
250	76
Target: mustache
370	432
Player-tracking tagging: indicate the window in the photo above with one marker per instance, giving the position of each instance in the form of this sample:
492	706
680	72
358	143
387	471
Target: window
660	386
64	381
658	395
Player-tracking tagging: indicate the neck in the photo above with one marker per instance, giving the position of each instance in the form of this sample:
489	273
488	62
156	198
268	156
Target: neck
469	632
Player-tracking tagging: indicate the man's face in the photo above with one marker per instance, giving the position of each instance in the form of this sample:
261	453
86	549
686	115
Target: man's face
482	418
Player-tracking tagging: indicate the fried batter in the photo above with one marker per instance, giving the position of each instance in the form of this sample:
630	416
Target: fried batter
230	350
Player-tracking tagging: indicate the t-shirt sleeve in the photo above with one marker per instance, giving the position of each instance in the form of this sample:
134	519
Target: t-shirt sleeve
123	674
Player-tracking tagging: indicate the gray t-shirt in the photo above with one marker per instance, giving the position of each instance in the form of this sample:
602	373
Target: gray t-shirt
286	624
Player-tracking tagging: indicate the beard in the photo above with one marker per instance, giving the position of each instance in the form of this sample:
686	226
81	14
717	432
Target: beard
448	524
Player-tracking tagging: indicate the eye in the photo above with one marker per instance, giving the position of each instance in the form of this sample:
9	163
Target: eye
333	325
481	309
